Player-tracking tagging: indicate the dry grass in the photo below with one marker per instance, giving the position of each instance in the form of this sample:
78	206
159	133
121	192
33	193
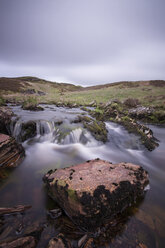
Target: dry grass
147	92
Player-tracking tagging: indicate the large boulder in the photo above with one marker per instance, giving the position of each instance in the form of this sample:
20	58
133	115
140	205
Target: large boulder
95	191
11	153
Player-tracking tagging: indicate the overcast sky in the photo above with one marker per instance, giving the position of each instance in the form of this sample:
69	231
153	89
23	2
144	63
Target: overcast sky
84	42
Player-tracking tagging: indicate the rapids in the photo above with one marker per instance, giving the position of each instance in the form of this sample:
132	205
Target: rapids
60	145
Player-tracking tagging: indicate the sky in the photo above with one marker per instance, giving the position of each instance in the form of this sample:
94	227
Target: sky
85	42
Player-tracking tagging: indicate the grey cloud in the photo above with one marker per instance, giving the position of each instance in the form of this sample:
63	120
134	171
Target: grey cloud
85	42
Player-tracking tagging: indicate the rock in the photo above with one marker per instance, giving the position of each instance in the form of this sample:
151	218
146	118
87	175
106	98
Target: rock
55	213
89	243
95	127
5	119
97	190
59	242
11	153
24	242
34	230
13	210
141	112
41	93
29	91
29	130
32	107
93	104
145	133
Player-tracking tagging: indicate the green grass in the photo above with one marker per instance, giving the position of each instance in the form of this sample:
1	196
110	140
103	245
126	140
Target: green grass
149	93
30	101
153	96
2	101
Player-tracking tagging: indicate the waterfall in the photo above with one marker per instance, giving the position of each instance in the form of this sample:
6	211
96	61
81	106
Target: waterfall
79	135
15	129
41	130
44	127
121	138
73	137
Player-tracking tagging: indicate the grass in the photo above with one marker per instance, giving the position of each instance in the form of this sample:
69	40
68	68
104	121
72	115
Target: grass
154	96
2	101
149	93
30	101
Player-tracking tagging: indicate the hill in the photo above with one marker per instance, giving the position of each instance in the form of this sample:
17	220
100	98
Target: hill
16	89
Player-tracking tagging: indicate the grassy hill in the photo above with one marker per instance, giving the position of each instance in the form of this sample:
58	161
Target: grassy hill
16	89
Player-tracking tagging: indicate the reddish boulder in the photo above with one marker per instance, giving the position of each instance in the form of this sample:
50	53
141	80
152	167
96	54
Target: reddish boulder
96	190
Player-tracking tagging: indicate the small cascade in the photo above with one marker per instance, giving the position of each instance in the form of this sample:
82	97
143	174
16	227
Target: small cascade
79	135
39	130
75	136
44	127
120	137
15	129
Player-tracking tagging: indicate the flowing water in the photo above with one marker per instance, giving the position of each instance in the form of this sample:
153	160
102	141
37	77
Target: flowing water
60	143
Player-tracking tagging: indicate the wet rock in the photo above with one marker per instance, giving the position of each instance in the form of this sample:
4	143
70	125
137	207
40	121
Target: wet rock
13	210
96	190
55	213
82	240
34	230
32	107
59	242
141	112
5	119
145	133
29	130
90	243
24	242
95	127
11	153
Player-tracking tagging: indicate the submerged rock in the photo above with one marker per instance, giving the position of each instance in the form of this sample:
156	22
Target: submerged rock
96	191
29	130
24	242
11	153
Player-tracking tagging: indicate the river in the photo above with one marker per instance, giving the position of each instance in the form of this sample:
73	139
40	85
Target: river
59	145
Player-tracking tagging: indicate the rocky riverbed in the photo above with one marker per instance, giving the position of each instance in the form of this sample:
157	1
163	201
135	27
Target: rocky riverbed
56	138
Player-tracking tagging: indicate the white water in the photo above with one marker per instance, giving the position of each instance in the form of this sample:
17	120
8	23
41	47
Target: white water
57	146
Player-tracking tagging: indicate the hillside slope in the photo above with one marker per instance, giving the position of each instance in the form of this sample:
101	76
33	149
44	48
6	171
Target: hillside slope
16	89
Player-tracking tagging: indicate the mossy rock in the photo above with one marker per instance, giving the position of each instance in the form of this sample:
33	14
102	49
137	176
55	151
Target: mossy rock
97	129
32	107
28	130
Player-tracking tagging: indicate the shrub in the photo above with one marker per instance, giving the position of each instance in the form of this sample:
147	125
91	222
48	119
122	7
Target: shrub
131	102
